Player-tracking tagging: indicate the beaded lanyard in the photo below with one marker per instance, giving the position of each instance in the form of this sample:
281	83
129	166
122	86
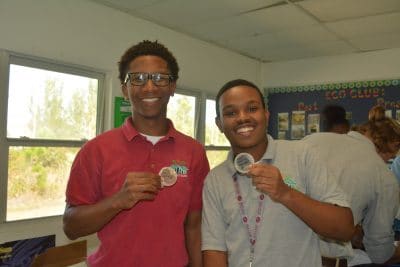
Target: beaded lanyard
245	219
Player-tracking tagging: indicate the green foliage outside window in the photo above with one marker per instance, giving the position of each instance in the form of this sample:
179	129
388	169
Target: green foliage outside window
37	175
181	111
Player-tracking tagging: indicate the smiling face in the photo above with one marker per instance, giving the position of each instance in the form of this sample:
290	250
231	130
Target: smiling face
149	102
244	120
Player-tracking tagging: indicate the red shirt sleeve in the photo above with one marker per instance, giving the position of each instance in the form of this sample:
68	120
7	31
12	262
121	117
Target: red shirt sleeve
84	181
199	171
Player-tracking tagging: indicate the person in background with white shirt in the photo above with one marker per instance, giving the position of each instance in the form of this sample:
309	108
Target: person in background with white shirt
358	161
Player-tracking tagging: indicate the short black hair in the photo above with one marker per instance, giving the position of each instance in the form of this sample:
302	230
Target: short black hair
234	83
332	115
147	48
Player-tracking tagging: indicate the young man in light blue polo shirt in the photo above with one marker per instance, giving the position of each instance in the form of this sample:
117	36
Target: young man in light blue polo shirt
273	214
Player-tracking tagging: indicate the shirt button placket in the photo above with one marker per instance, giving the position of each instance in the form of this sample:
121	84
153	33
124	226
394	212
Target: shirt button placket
152	164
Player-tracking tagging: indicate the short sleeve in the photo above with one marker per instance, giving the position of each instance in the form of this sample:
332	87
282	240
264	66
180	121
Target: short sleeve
213	225
199	170
377	224
84	180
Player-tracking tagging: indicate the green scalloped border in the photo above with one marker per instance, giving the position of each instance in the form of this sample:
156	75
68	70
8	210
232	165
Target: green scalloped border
330	86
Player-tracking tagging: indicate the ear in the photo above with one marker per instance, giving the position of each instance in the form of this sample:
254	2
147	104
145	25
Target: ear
267	115
219	124
125	91
172	88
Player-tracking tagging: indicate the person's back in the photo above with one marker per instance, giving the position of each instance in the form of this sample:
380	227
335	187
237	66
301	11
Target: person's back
372	190
333	119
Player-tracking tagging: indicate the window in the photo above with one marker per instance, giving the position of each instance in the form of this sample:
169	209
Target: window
181	110
217	145
51	110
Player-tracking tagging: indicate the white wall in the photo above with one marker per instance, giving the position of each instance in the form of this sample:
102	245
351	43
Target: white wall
384	64
85	33
88	34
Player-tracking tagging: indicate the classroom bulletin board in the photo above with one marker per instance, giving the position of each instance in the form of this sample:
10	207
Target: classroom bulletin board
295	111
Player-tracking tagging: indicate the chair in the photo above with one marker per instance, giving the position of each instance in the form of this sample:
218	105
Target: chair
62	256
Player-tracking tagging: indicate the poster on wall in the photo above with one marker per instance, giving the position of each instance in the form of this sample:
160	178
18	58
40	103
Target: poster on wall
22	252
349	115
398	115
298	124
122	110
388	113
313	123
283	125
283	121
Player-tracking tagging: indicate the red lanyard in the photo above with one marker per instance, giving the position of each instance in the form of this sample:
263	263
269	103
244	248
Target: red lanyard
245	219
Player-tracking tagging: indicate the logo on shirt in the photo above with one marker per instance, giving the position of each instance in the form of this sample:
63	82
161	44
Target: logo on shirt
290	182
180	168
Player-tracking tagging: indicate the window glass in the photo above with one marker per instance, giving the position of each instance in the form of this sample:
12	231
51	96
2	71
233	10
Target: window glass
213	136
45	104
37	178
181	110
216	157
51	110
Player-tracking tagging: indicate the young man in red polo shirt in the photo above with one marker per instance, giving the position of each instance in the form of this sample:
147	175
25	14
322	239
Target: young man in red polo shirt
139	186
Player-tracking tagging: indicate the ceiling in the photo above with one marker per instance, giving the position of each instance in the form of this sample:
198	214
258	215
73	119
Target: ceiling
277	30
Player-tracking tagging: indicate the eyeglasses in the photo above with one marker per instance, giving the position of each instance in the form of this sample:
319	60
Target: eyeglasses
141	78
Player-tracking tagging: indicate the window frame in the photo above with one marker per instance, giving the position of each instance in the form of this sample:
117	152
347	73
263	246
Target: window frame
6	59
211	147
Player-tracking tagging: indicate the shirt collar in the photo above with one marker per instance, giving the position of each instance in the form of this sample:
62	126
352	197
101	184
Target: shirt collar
130	131
361	137
271	149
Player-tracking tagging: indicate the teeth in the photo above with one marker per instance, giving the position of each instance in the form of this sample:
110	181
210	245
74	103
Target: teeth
245	130
150	99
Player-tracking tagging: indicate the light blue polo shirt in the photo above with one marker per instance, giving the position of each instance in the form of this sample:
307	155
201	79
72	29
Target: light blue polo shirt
283	240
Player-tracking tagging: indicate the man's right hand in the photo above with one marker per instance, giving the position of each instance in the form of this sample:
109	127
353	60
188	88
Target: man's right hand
137	186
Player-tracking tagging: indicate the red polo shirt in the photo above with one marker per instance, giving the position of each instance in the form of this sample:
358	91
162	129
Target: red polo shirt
152	232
